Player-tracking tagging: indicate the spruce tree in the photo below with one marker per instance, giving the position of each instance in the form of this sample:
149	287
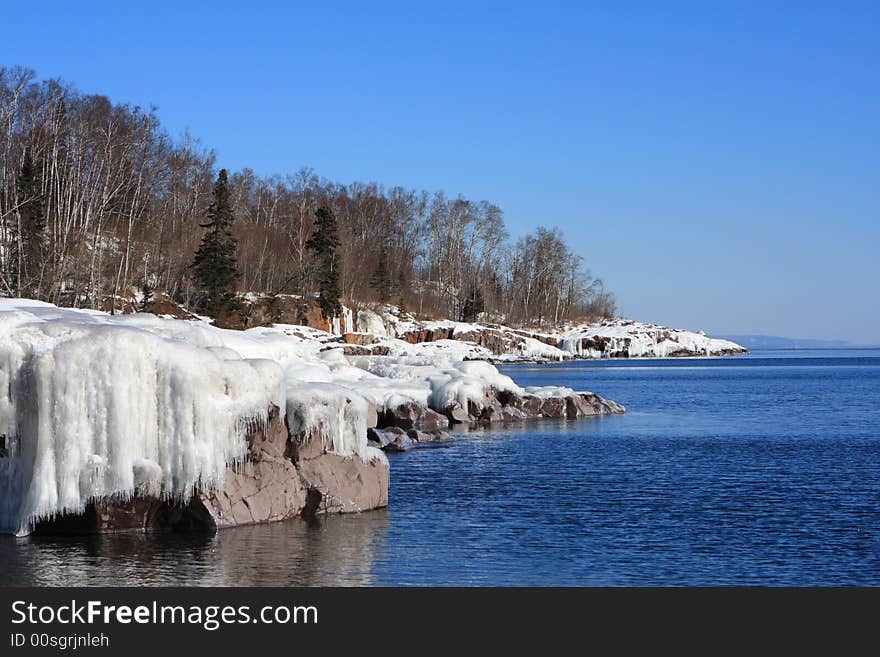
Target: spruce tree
215	266
323	243
473	304
29	251
381	280
147	292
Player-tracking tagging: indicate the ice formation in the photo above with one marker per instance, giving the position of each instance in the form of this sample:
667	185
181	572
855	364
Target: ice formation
94	405
89	405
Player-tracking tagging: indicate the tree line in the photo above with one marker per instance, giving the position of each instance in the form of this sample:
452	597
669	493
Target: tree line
96	199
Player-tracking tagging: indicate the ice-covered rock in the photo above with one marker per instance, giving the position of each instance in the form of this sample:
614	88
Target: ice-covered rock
136	407
95	406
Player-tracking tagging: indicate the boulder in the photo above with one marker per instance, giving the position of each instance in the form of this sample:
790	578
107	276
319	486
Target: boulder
399	443
498	342
512	414
381	438
498	413
528	405
457	414
576	406
431	420
344	484
361	339
600	405
411	415
353	350
554	407
267	486
404	415
491	413
429	436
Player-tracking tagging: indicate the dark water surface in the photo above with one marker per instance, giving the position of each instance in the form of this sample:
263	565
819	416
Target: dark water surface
762	469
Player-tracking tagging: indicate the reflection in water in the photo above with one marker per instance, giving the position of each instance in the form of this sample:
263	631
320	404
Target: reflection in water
332	551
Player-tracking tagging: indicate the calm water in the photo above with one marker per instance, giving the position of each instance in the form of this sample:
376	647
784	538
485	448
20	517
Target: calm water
752	470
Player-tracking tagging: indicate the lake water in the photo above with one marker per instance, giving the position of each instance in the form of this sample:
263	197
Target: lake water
763	469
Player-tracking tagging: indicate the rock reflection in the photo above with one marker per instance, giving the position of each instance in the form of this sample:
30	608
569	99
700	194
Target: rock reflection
332	551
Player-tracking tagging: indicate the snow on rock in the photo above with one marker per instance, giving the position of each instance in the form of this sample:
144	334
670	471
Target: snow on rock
607	339
532	349
626	338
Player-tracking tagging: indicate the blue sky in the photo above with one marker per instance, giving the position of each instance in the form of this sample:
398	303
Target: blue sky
718	164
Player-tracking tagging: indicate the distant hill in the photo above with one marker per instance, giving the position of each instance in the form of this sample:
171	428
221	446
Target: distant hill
758	342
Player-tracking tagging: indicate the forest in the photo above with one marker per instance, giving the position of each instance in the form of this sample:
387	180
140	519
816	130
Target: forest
96	199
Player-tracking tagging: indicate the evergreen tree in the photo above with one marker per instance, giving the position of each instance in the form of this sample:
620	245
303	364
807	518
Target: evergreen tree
381	280
473	305
323	243
147	292
215	265
29	245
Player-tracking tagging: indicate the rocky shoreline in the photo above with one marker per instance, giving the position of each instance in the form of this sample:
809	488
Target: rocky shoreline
136	422
291	475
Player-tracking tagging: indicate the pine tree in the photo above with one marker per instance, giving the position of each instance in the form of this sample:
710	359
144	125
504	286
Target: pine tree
29	251
323	243
381	280
473	305
214	264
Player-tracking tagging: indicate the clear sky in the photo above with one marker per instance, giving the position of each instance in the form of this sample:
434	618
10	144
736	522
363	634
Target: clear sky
717	163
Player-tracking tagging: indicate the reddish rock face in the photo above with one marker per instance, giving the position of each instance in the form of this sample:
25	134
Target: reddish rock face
341	484
428	335
497	342
359	338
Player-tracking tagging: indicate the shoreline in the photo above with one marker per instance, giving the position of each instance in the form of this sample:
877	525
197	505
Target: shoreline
169	423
